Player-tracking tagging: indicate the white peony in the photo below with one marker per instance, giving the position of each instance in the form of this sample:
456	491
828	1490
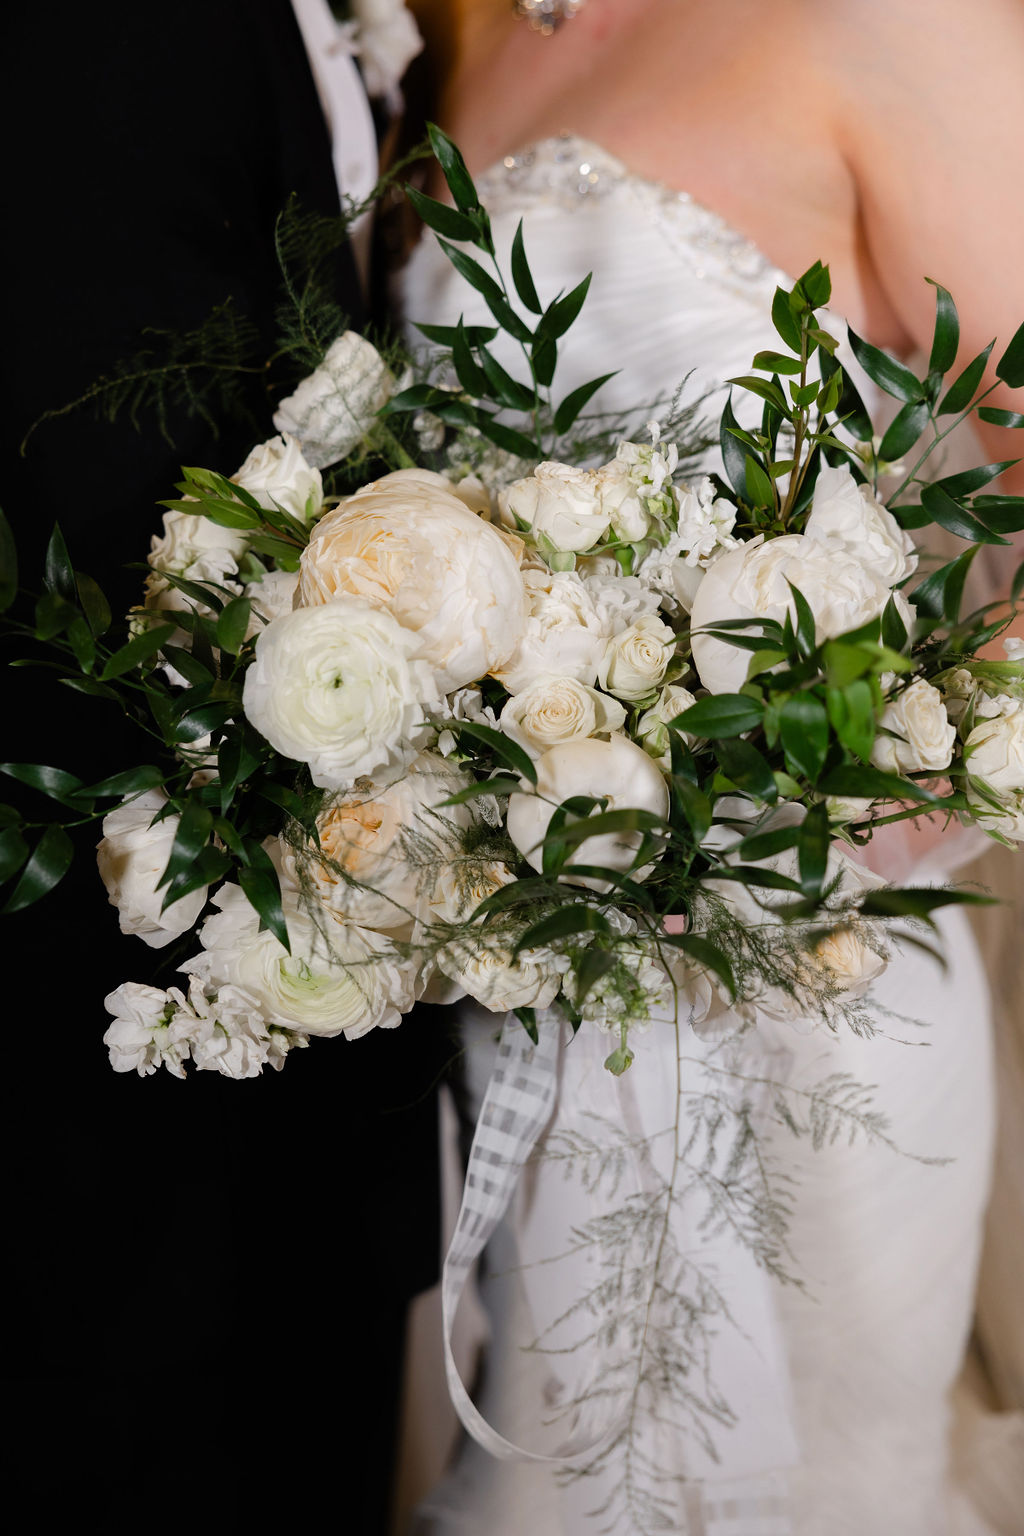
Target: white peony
847	515
915	732
343	980
277	475
564	633
752	581
339	687
553	710
635	661
617	770
408	545
994	750
132	856
560	505
334	408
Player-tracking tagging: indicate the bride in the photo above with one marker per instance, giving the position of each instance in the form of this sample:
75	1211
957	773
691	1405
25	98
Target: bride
691	155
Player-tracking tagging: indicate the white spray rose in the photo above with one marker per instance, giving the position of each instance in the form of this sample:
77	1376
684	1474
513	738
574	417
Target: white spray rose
846	514
409	546
617	770
564	633
559	504
196	548
498	982
277	475
652	730
559	709
334	408
635	661
339	687
132	856
345	980
958	690
752	581
994	750
915	733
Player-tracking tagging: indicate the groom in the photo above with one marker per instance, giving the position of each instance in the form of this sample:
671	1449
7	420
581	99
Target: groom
209	1279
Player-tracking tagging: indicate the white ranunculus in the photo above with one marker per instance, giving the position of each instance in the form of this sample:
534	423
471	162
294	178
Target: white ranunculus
339	687
498	982
752	581
343	980
271	598
334	408
564	633
617	770
278	476
408	545
994	750
559	504
132	856
652	730
383	845
151	1029
553	710
635	661
915	733
847	514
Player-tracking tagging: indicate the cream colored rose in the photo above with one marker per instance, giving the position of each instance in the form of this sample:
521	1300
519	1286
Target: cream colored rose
132	857
462	885
652	730
994	750
564	633
407	545
752	581
278	476
635	661
553	710
616	769
339	687
846	514
915	733
558	504
334	408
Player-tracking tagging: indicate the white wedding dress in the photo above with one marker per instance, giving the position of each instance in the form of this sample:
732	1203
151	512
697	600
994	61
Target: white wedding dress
811	1409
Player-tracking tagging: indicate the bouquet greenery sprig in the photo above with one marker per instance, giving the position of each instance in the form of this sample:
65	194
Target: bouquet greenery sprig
549	732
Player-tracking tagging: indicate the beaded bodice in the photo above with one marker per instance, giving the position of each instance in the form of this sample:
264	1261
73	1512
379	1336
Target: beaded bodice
676	293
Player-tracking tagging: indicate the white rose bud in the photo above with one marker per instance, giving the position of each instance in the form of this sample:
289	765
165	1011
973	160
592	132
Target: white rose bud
553	710
636	660
994	751
560	504
652	730
915	734
278	476
618	495
847	514
334	408
131	857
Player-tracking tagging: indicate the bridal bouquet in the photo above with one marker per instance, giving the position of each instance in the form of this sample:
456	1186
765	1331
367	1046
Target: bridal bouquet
510	723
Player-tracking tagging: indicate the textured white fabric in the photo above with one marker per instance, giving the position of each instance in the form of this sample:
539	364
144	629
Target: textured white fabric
885	1244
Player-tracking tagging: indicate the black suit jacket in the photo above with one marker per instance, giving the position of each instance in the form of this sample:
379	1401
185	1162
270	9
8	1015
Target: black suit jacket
165	1231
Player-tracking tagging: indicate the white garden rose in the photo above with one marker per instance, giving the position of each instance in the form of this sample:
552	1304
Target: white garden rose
342	980
915	732
559	504
616	769
994	750
197	549
564	633
132	857
340	687
383	845
635	661
277	475
846	514
492	978
408	545
652	730
334	408
752	581
553	710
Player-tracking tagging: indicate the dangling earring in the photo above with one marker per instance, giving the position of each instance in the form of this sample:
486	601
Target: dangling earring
545	16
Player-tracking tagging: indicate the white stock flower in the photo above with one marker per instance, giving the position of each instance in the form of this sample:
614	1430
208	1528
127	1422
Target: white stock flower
635	661
915	733
636	486
629	993
339	687
132	856
752	581
704	522
846	514
342	980
617	770
559	504
383	845
277	475
498	982
151	1029
552	710
334	408
409	546
652	730
563	635
994	750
